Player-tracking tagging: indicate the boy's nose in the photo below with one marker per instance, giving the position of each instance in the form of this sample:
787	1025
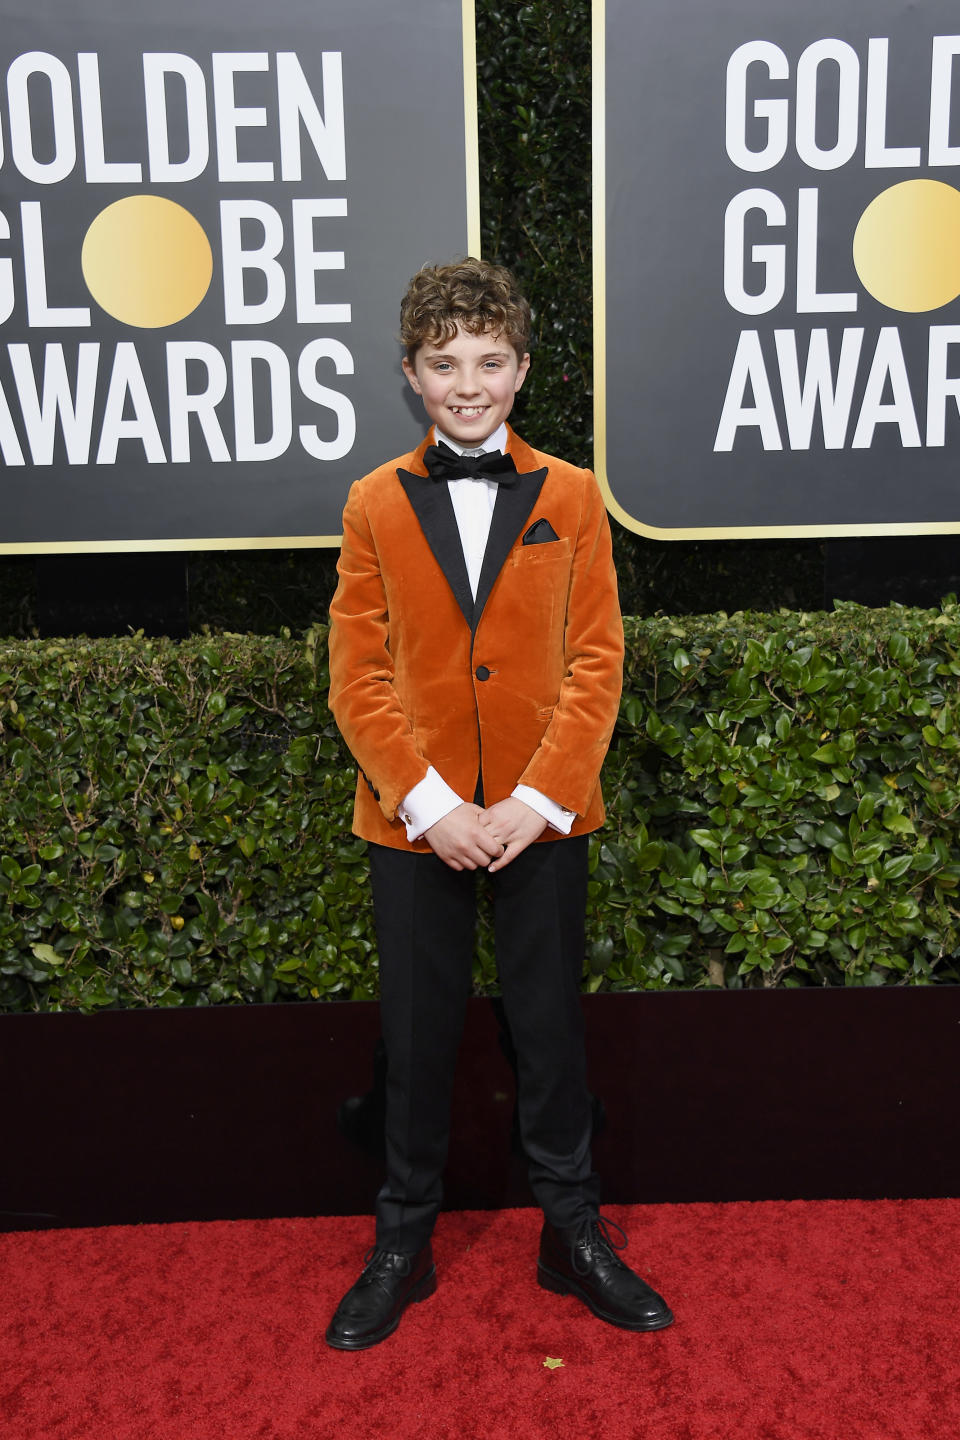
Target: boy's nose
468	384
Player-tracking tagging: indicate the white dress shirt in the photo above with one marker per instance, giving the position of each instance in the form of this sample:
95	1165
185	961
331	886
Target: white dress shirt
473	502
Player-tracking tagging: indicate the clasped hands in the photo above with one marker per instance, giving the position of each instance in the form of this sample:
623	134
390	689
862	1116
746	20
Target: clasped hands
469	838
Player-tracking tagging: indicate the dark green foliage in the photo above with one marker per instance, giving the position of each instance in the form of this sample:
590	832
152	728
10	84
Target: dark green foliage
173	828
260	592
785	802
18	595
784	797
535	116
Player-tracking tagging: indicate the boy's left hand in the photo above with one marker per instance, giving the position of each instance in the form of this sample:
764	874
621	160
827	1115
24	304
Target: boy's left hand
515	825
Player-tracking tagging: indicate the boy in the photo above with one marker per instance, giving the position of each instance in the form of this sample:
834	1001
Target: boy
476	651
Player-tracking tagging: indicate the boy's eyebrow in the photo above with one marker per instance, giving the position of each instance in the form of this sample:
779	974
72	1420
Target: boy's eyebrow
440	352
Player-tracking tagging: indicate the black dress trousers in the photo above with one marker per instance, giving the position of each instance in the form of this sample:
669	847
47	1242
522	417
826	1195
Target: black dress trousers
425	919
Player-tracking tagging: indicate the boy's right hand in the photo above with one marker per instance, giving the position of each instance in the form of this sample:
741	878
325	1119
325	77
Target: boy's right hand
461	841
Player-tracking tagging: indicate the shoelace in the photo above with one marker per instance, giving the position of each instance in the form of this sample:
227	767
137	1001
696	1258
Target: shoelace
596	1231
375	1258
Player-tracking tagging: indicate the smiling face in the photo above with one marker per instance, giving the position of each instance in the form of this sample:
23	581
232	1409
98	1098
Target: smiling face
467	384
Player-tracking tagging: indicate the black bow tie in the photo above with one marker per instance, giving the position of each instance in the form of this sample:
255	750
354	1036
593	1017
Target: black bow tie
445	464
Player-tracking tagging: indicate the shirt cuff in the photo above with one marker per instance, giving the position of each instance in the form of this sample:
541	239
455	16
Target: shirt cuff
429	800
556	816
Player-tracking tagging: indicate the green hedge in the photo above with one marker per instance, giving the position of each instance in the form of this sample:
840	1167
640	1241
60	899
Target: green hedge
173	827
784	798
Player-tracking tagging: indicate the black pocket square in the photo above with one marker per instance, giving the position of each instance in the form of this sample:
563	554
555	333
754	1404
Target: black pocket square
540	532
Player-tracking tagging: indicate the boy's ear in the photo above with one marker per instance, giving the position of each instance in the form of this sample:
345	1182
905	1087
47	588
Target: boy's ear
522	369
411	375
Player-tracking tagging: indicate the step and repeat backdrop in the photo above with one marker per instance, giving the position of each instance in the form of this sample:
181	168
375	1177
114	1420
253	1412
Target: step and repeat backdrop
209	210
777	266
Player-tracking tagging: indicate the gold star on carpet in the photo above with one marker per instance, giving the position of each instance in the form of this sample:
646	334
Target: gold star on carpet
551	1364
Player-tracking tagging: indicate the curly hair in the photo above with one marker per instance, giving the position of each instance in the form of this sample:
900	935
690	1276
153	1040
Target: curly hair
467	293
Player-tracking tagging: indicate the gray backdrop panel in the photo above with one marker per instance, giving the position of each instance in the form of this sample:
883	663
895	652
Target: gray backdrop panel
405	189
671	335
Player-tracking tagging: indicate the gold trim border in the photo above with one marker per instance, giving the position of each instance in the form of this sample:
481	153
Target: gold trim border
301	542
471	126
630	522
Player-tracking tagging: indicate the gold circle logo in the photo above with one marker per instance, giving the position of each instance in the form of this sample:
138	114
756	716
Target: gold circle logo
146	261
906	248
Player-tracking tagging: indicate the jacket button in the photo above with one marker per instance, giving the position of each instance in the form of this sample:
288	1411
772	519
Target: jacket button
482	673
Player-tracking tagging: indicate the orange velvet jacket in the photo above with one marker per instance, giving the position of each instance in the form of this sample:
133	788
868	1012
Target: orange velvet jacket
521	685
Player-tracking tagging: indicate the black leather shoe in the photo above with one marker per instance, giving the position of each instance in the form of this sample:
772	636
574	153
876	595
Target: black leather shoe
588	1266
371	1309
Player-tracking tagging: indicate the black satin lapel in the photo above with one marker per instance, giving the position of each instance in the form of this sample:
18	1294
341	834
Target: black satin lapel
434	509
510	514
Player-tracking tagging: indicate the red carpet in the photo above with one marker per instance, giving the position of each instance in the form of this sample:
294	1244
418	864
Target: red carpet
833	1320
